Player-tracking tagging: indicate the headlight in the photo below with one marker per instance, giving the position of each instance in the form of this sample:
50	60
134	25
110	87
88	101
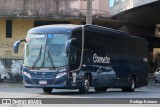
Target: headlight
27	74
61	74
62	70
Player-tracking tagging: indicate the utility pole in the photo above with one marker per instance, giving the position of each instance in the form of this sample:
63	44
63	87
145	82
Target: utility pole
89	12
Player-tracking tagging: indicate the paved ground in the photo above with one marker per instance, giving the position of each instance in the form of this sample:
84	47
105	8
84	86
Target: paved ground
18	91
151	91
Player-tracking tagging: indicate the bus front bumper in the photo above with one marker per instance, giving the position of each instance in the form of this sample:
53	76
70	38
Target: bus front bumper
66	84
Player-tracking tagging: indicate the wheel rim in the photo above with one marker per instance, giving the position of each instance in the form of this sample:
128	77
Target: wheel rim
133	84
86	84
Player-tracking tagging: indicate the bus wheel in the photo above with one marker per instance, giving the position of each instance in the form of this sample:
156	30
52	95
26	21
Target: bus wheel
85	87
155	80
132	86
1	80
47	90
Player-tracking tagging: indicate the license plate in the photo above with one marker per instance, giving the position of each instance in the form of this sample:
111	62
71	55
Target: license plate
42	82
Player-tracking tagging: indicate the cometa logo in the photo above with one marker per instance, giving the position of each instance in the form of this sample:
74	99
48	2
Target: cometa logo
98	59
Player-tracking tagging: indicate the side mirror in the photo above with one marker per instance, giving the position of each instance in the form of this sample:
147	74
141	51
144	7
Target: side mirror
16	45
68	42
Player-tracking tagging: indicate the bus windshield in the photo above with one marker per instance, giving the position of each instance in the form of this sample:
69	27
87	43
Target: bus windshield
45	50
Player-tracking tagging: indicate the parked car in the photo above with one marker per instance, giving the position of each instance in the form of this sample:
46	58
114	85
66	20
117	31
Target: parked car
157	75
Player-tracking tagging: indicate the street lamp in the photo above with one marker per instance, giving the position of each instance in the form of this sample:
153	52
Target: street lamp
89	12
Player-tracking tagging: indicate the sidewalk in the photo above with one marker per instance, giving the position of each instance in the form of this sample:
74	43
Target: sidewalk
11	85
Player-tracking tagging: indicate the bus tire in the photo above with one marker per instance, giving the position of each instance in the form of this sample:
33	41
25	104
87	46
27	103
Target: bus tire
1	80
47	90
85	87
155	80
133	84
131	88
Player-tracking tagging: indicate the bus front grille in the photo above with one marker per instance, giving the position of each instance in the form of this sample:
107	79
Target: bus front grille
42	76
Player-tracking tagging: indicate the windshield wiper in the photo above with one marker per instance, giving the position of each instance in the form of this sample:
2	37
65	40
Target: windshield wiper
50	57
37	57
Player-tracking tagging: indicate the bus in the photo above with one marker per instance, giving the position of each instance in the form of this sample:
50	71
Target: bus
82	56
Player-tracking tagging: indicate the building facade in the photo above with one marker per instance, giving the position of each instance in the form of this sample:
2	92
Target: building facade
123	5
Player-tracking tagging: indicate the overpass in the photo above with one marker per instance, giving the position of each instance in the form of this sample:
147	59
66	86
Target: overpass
141	18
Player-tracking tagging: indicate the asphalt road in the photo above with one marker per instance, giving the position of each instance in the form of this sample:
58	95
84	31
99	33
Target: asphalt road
18	91
74	99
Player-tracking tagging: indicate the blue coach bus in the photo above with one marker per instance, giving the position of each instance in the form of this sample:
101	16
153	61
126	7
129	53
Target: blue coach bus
82	56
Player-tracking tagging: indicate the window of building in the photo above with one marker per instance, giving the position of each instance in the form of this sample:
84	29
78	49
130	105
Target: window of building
8	28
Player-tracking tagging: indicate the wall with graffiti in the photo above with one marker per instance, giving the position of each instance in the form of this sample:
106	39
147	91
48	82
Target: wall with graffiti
10	70
8	44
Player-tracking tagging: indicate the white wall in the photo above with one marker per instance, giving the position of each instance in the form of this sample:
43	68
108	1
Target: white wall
99	7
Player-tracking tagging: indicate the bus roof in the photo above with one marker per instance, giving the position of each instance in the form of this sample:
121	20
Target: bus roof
112	32
67	28
60	28
106	30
